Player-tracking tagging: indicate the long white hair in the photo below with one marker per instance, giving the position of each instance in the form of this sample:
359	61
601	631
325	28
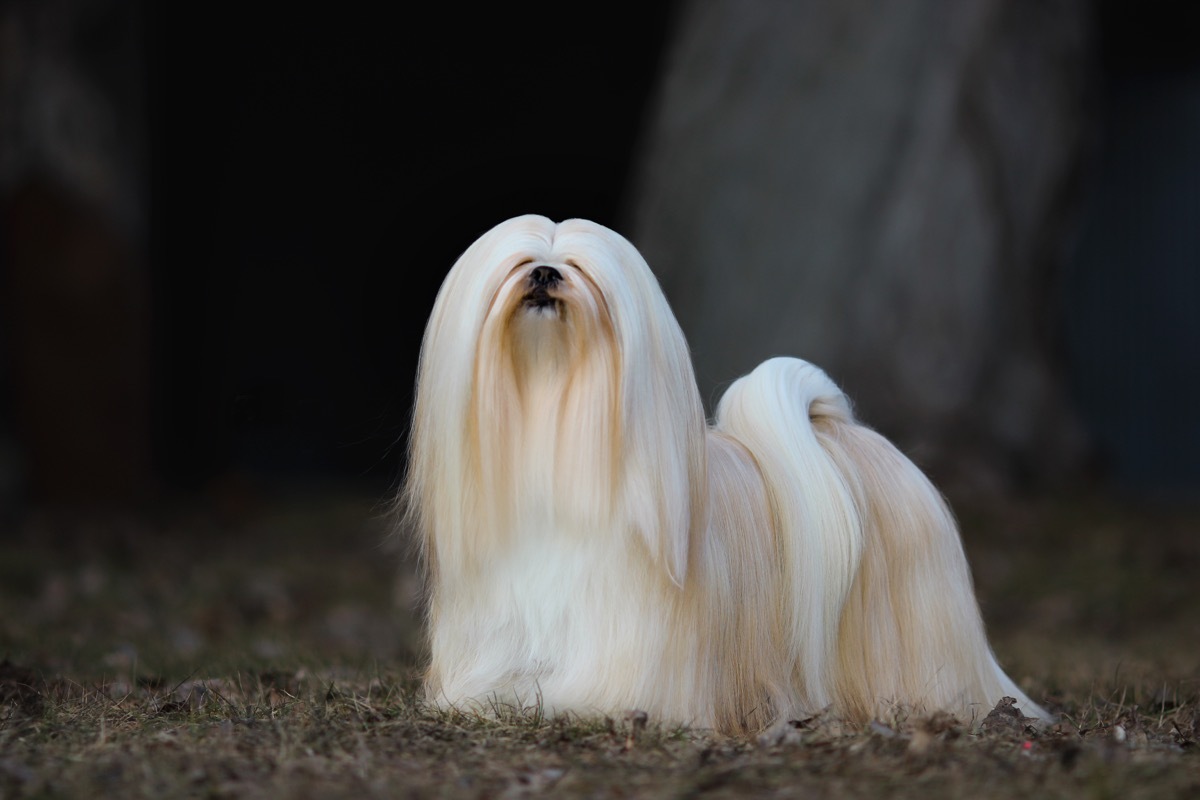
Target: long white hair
593	545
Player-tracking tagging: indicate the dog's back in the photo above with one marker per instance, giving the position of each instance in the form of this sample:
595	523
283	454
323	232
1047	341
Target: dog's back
883	611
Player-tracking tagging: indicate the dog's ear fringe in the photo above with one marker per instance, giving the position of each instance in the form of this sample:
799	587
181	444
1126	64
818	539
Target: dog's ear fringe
663	493
439	467
664	464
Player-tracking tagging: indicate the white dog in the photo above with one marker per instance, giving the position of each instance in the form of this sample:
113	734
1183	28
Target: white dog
593	546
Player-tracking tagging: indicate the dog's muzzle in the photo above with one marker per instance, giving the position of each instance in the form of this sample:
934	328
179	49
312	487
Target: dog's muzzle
540	283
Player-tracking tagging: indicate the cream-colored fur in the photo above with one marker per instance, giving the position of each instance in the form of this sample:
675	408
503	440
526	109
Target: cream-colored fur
593	546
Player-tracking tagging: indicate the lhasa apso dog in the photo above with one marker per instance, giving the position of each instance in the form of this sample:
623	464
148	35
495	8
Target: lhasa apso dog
593	546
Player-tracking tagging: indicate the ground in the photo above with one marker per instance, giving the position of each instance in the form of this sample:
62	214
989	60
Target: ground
261	645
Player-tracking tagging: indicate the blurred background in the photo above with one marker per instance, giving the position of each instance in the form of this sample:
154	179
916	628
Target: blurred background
222	229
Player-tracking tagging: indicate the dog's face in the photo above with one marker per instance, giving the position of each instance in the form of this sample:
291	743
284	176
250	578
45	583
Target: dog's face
554	372
550	317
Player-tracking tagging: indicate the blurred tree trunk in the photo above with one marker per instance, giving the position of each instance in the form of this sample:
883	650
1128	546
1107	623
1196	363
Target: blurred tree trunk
74	305
887	190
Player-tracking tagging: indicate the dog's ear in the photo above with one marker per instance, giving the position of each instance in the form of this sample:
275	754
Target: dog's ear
445	462
664	474
661	464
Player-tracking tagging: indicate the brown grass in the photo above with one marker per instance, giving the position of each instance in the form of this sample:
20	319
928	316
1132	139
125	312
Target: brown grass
272	652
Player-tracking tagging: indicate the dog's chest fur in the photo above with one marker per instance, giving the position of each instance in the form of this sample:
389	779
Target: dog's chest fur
558	614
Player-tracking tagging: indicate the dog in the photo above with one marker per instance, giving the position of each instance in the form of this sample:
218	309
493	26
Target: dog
593	546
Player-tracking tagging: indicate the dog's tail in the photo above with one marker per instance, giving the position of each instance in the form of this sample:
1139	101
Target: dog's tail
775	412
882	607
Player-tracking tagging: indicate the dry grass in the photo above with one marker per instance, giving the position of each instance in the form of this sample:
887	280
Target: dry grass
271	653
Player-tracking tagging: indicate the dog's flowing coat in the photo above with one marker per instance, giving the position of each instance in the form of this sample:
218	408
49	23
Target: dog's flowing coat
592	545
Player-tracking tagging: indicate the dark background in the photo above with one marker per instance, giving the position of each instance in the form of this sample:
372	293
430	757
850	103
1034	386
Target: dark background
319	174
302	181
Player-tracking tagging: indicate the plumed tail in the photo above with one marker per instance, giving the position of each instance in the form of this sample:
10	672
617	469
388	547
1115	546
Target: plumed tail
884	612
771	412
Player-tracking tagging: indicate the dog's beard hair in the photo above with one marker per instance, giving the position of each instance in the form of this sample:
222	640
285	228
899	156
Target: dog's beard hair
545	412
592	547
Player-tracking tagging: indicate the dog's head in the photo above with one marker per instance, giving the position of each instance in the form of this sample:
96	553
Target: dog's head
555	383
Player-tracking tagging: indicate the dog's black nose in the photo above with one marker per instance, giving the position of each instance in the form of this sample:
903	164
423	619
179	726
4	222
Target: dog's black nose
544	277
